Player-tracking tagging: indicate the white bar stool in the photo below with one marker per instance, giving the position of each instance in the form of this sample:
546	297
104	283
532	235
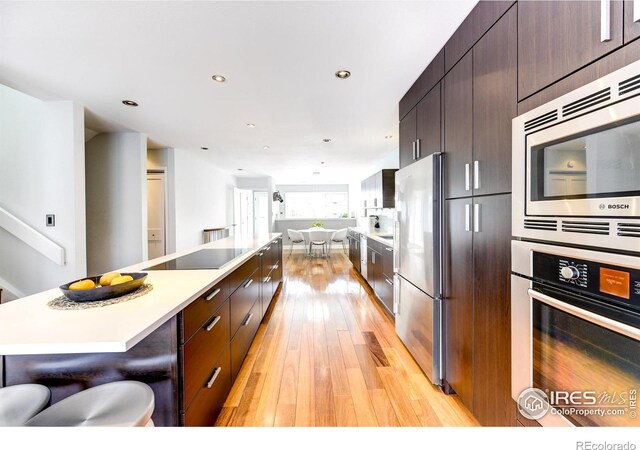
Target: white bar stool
21	402
117	404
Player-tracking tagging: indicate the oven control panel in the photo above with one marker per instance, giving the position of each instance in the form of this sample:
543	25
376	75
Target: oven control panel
608	282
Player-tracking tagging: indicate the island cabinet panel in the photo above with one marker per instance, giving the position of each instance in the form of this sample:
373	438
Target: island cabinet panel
153	361
207	404
203	350
557	38
243	338
200	310
243	298
242	273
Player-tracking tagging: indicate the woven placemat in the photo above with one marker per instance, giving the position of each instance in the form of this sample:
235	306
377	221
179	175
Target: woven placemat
63	303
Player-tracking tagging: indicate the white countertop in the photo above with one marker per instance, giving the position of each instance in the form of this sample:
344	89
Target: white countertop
377	235
28	326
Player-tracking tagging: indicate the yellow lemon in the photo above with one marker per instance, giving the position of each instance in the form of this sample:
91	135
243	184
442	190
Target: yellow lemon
82	285
121	279
107	278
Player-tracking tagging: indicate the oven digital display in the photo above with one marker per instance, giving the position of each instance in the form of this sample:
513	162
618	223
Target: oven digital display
615	282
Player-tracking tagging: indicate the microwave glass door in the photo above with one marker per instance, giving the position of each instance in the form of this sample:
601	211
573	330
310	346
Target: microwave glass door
600	163
571	354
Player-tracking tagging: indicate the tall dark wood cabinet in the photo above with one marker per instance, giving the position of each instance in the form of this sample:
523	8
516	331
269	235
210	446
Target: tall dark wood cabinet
559	37
407	138
458	307
420	129
492	404
494	106
458	128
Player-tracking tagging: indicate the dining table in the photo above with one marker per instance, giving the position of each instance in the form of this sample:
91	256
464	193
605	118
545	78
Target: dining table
305	235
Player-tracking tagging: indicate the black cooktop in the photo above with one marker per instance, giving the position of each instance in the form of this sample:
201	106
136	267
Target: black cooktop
213	258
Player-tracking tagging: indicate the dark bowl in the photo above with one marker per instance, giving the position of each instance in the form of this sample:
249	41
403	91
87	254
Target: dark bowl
104	292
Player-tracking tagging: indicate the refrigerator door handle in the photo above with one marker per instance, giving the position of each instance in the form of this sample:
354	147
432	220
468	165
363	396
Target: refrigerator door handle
396	295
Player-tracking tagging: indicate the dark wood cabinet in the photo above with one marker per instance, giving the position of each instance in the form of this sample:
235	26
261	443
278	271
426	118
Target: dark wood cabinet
431	75
374	267
458	128
420	130
494	106
378	191
474	26
354	249
559	37
631	28
243	338
477	306
492	404
458	304
407	138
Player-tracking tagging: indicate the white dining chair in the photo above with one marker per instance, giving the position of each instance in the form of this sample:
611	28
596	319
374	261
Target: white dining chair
295	237
318	238
338	236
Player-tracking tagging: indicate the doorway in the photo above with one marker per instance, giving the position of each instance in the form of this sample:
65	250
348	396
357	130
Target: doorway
156	213
260	212
243	211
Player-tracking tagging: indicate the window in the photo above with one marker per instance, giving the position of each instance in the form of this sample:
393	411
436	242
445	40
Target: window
316	205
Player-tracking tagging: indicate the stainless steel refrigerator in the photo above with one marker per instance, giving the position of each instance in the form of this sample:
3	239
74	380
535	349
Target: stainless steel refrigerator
418	262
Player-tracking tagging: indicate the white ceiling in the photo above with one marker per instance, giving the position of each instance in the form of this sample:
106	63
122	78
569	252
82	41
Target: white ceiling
279	59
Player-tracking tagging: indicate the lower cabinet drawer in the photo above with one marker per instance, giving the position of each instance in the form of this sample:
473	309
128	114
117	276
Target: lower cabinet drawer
243	299
197	313
384	289
207	404
243	339
202	351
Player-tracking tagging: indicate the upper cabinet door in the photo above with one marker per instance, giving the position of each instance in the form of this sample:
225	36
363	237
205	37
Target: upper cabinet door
428	124
458	128
408	138
495	104
631	25
556	38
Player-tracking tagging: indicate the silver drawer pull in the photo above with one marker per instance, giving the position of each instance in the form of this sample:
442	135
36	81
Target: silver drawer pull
266	280
213	377
246	322
213	294
216	319
389	281
260	254
605	20
267	249
275	242
389	249
248	283
275	267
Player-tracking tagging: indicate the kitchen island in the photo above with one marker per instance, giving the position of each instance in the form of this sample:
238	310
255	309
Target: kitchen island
186	338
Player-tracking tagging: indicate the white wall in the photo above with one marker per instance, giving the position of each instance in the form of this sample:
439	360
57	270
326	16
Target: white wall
116	190
42	172
163	158
203	196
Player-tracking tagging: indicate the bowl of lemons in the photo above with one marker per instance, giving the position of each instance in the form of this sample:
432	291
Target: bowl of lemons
103	287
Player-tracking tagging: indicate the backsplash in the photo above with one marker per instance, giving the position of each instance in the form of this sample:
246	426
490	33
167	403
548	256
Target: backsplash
385	218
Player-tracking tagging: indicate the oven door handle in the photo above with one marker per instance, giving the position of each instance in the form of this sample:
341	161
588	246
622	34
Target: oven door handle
604	322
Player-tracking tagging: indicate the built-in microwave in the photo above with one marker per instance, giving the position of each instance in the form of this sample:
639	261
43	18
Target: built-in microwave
576	166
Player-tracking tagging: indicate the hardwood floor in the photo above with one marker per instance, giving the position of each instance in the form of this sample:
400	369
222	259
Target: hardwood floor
327	355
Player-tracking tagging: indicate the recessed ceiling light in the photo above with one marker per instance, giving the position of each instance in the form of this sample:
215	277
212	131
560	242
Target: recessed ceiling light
326	140
316	173
342	74
129	103
321	162
204	148
240	169
266	147
388	137
219	78
251	125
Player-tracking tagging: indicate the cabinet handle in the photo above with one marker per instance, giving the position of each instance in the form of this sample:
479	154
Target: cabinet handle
476	174
414	150
373	257
266	280
267	249
389	249
636	10
213	377
216	319
375	202
418	148
213	294
467	177
276	266
476	217
275	242
388	281
467	217
260	254
605	20
248	283
247	320
365	203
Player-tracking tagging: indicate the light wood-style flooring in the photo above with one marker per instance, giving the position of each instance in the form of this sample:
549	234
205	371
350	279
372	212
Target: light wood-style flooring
327	355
